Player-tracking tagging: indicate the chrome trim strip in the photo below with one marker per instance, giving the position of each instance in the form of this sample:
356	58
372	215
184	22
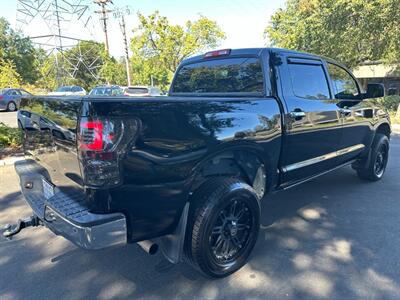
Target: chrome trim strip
321	158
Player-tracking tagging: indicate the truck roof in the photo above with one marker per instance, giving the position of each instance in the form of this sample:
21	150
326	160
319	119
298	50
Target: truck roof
254	51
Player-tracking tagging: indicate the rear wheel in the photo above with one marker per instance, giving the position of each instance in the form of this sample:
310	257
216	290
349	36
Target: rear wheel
11	106
379	156
224	227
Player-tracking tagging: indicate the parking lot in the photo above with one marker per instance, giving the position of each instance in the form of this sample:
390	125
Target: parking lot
9	118
336	237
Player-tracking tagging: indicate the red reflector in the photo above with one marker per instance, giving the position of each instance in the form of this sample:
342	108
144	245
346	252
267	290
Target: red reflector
91	136
217	53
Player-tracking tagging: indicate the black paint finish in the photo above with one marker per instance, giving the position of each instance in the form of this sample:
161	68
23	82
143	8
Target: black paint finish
176	142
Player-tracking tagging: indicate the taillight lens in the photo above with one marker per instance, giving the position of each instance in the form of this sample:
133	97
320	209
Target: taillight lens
100	135
101	144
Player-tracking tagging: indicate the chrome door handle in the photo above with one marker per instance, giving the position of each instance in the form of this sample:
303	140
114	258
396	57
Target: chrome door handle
345	112
297	114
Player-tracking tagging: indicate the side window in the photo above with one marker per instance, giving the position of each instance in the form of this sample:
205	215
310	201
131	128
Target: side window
344	85
309	81
24	93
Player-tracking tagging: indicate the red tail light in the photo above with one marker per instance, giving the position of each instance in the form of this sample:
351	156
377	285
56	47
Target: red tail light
101	143
91	136
223	52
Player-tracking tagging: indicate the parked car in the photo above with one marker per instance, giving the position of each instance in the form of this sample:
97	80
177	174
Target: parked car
10	98
142	91
188	172
72	90
106	90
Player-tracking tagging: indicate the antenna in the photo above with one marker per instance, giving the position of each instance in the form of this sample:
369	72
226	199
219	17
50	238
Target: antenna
120	13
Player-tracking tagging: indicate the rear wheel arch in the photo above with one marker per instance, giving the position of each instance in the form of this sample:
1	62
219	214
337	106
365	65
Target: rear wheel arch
245	163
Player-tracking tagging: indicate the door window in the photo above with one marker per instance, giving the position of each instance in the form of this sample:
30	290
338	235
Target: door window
309	81
345	87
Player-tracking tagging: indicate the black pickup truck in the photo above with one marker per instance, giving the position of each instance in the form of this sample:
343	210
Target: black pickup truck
186	173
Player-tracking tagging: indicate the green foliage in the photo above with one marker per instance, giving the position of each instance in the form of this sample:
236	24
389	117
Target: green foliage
390	103
19	52
113	72
9	76
159	46
9	137
351	31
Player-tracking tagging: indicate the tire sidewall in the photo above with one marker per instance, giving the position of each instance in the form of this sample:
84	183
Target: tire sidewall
233	192
381	141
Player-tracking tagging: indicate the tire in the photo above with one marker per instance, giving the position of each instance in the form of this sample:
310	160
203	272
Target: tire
223	226
379	156
11	106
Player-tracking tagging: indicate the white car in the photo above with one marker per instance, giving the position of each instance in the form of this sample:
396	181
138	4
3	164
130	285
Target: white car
142	91
72	90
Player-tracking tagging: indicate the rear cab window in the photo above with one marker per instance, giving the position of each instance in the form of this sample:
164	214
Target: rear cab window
309	80
238	75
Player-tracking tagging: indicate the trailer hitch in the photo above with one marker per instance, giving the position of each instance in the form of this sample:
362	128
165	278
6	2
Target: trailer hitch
11	230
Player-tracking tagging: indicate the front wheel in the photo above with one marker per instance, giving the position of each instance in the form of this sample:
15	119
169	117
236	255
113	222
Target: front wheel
379	157
224	226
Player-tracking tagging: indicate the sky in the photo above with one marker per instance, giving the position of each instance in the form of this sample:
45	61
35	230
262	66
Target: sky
242	21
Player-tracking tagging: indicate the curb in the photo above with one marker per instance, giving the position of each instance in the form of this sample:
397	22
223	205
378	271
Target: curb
10	160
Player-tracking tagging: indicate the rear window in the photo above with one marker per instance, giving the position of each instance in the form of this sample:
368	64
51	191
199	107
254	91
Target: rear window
232	75
309	81
135	91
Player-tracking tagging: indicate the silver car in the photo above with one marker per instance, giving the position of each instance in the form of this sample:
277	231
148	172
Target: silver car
10	98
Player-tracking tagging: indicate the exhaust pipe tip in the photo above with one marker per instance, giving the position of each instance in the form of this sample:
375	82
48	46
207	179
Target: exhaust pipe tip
149	246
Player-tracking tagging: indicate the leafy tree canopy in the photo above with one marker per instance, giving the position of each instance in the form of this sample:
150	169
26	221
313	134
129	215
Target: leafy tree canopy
159	46
19	51
9	76
351	31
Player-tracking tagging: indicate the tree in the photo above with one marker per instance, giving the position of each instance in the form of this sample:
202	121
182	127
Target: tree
351	31
159	46
113	72
19	51
9	76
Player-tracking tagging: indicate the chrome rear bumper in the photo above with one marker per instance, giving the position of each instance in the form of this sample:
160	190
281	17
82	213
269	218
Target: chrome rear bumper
66	214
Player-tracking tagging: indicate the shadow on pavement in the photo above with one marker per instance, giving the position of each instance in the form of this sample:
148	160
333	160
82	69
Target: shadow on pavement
333	238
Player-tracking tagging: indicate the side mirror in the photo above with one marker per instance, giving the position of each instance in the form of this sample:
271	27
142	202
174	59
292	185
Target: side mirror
375	90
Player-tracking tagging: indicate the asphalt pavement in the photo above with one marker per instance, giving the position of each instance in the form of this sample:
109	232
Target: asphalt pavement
9	118
336	237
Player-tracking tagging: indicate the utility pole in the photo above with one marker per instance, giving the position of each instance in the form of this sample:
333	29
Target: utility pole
120	14
103	12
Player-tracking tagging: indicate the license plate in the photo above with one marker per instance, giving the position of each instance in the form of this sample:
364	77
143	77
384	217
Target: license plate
48	189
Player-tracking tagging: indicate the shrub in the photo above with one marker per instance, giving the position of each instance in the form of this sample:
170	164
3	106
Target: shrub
9	137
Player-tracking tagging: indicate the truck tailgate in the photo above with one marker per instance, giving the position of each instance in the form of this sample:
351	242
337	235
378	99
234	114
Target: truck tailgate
50	125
